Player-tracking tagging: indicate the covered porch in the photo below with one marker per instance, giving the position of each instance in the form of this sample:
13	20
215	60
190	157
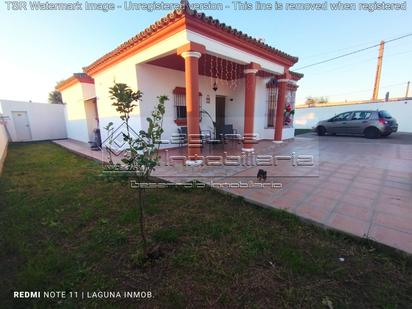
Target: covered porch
215	96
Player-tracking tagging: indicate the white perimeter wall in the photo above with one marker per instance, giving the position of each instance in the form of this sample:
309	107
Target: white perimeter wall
47	121
3	146
3	142
307	118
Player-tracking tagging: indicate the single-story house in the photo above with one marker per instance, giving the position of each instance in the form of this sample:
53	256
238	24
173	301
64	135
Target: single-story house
201	64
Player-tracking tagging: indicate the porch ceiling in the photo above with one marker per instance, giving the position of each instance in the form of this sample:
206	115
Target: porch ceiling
209	65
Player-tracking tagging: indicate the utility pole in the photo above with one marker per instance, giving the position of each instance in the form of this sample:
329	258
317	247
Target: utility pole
407	89
378	72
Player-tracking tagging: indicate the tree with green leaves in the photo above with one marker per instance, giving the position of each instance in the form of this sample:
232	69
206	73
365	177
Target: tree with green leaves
55	97
142	153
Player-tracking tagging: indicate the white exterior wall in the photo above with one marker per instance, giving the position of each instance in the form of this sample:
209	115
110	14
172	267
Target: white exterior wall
75	113
3	141
154	81
260	124
3	146
125	72
307	118
228	52
47	121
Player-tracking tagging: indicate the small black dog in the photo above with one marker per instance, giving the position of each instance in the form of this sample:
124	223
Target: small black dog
261	175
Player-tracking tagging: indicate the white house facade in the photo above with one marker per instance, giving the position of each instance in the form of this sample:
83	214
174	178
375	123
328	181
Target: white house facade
205	68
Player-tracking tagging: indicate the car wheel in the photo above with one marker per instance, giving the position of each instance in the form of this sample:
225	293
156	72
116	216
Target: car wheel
371	132
321	131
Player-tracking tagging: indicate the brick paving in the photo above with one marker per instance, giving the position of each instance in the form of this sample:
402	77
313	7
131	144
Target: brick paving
358	186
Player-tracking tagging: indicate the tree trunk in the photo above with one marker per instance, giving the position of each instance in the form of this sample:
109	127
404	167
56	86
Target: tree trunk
141	220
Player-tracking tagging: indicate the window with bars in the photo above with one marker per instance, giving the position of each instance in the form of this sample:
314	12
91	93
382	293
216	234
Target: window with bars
179	94
271	102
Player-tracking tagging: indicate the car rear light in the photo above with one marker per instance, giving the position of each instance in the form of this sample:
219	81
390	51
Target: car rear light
382	121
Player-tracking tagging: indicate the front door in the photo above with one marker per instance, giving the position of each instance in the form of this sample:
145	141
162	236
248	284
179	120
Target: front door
220	113
22	126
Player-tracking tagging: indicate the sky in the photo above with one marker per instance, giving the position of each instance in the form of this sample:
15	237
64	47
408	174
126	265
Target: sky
40	48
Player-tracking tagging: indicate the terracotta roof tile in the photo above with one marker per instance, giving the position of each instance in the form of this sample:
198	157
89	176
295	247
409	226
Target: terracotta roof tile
76	77
295	75
177	15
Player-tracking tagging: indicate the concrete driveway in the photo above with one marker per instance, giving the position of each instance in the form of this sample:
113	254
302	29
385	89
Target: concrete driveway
359	186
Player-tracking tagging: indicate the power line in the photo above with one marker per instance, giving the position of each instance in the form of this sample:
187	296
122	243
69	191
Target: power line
358	45
349	66
338	50
353	52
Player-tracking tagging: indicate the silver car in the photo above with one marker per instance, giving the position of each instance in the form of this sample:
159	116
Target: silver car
371	124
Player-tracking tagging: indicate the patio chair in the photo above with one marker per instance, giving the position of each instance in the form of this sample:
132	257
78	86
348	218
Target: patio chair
205	135
182	138
227	133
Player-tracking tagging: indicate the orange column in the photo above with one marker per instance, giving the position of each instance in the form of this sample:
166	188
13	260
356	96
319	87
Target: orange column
280	107
191	53
192	102
250	91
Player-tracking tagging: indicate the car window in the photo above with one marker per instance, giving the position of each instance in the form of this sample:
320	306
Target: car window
384	114
361	115
342	117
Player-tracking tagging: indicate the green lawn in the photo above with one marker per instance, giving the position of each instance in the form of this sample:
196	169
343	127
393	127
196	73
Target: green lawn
64	227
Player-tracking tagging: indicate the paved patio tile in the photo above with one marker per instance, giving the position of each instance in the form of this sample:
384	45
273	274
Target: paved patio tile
329	194
374	188
367	180
296	195
372	175
397	185
344	172
327	169
335	187
401	223
401	179
397	192
361	213
283	202
344	175
391	237
356	192
321	201
395	200
261	195
316	212
357	200
342	181
348	224
302	188
402	211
